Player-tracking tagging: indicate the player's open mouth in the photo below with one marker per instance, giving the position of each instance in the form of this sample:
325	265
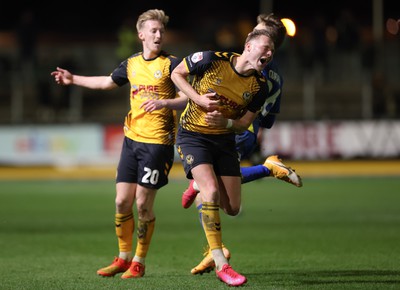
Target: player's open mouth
263	60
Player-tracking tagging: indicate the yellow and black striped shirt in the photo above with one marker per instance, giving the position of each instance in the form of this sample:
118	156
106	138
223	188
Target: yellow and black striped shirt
214	72
149	79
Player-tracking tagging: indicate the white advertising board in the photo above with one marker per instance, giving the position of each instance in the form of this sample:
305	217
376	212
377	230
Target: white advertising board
51	145
71	145
332	140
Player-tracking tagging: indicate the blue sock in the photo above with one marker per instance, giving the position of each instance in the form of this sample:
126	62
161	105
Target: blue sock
254	172
200	215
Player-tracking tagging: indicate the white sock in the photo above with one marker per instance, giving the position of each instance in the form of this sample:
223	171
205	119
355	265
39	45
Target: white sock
127	256
138	259
195	186
219	258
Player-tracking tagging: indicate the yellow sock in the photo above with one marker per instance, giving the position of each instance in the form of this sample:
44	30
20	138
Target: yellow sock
212	224
144	233
124	226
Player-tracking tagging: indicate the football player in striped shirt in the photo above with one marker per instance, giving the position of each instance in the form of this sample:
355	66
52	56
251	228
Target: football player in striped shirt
247	141
148	146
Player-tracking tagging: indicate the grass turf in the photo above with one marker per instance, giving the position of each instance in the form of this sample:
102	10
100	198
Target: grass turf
333	233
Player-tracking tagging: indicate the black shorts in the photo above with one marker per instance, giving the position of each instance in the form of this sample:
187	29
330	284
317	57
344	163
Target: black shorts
145	164
219	150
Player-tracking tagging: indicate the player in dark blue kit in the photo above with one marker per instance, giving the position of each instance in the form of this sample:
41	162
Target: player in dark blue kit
246	142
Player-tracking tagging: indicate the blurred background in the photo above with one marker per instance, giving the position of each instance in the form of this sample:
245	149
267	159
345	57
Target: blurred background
341	70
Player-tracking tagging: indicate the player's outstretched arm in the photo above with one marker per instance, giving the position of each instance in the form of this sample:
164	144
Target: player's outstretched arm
64	77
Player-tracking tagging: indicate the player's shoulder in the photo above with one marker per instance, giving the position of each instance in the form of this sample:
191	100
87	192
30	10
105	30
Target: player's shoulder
271	72
168	55
210	55
222	55
136	54
271	66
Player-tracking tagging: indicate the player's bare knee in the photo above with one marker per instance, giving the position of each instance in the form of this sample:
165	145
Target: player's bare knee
232	211
122	205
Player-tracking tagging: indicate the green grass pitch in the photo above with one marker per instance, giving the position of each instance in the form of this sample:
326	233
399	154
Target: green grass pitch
333	233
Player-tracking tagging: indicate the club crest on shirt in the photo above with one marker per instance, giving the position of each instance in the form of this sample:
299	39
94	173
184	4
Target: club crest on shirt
158	74
196	57
189	159
246	96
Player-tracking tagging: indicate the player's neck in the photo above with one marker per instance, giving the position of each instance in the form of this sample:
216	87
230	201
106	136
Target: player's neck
242	66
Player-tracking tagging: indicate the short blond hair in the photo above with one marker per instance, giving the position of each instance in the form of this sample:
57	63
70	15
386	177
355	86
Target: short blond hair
256	33
152	14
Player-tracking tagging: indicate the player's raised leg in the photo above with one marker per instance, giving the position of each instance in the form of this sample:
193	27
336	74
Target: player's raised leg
281	171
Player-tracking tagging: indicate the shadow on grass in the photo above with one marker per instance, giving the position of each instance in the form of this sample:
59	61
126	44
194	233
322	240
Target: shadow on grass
385	277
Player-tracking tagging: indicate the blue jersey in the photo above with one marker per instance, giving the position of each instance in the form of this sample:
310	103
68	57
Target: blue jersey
246	142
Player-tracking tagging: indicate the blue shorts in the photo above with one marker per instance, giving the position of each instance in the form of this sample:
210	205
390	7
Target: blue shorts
246	143
219	150
145	164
